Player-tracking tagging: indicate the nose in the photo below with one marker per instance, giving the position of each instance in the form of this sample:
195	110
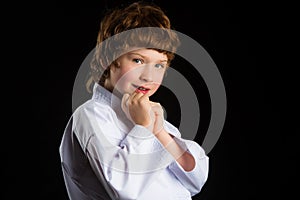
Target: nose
147	74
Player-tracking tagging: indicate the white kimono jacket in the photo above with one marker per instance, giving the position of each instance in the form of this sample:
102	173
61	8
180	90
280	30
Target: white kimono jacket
128	159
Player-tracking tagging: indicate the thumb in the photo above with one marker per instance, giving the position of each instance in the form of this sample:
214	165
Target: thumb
124	103
156	107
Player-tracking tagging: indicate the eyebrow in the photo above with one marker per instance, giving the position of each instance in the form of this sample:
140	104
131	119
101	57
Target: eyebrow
145	57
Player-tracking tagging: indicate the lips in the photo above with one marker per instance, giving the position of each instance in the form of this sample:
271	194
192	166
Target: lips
142	89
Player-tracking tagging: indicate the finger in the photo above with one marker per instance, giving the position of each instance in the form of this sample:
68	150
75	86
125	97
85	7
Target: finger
132	96
125	99
144	97
152	115
157	108
155	105
137	96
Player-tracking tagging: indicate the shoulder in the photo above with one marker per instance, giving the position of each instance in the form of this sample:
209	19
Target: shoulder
93	108
91	114
90	119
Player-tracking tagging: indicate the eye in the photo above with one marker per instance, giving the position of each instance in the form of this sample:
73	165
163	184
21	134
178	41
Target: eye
138	61
159	66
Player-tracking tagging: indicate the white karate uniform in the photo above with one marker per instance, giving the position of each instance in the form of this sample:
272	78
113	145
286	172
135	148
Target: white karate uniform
130	158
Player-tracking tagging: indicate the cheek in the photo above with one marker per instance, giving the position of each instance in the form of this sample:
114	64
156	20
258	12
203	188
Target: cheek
154	89
131	75
158	80
158	77
161	77
128	76
124	78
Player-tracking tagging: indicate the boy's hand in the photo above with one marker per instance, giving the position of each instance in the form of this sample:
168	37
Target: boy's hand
137	108
159	117
140	110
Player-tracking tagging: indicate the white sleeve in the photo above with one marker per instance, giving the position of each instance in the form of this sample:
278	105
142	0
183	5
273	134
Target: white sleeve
128	168
195	179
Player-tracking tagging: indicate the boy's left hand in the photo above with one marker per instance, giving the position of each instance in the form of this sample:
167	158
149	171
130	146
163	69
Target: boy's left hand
159	117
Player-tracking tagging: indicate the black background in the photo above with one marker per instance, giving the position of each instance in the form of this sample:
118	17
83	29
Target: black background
246	163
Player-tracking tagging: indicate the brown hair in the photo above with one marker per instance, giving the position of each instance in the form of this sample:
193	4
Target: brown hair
119	20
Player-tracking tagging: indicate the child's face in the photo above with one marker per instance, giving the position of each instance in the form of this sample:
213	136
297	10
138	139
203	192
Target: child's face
141	69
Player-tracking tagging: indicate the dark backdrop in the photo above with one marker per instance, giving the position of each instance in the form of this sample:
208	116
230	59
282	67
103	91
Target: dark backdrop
238	37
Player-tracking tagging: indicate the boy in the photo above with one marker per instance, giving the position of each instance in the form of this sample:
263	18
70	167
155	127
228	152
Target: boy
124	141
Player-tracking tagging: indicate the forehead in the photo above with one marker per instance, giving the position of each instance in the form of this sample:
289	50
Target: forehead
149	54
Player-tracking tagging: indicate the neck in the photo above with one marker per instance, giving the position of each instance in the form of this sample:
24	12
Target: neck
107	85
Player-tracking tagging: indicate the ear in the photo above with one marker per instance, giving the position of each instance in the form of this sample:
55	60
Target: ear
104	67
114	65
118	64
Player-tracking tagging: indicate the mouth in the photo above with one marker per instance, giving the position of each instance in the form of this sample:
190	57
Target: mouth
141	89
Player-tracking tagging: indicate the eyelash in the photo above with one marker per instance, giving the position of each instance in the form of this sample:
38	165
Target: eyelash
137	60
160	66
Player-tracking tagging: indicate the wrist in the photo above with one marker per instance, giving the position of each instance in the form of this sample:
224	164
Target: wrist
144	123
159	131
164	137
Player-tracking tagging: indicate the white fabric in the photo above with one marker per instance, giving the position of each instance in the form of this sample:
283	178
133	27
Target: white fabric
130	157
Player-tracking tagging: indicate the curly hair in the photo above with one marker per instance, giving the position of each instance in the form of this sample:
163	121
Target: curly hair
125	29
